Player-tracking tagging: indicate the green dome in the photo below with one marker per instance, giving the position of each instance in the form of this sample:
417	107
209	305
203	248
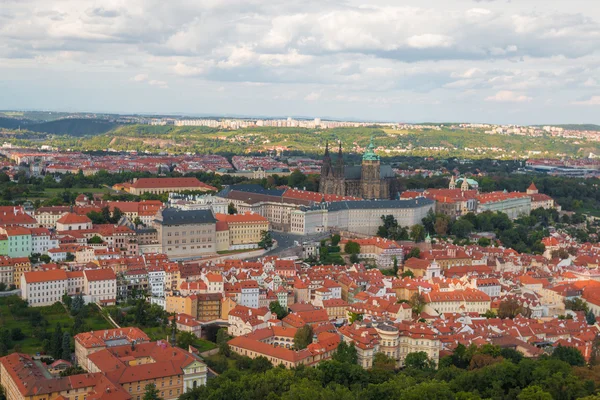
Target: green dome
370	153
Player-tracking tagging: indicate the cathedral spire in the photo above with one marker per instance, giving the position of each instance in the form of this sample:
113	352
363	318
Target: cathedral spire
339	169
326	148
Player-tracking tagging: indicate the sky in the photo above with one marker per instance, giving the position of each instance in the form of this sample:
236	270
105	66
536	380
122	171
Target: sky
494	61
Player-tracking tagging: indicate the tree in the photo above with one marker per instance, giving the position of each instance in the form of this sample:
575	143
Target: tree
266	240
395	266
77	304
346	353
17	334
276	308
415	252
510	308
151	392
590	318
484	242
70	257
222	339
490	314
95	240
354	258
45	258
66	347
261	364
72	370
417	233
231	209
534	392
57	341
335	239
383	362
407	274
185	340
303	337
442	222
417	302
352	317
570	355
419	360
462	228
352	247
576	304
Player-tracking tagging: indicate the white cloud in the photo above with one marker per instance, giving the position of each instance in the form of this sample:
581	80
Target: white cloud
160	84
345	52
507	96
429	40
313	96
140	77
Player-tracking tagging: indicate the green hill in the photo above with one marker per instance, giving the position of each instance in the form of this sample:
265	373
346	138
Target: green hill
74	127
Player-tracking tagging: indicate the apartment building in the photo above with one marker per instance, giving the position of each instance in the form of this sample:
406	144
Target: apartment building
42	240
18	241
457	301
185	234
244	229
46	217
43	288
101	285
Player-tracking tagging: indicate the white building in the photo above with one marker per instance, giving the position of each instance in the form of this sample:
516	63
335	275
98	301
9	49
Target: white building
156	281
358	216
43	288
42	240
101	285
249	294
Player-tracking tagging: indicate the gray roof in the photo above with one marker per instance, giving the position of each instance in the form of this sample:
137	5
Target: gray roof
379	204
250	188
355	172
175	216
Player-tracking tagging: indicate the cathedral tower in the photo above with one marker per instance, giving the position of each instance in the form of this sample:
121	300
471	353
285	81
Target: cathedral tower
370	180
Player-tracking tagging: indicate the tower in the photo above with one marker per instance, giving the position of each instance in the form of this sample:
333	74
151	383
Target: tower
464	186
339	164
532	189
452	183
370	180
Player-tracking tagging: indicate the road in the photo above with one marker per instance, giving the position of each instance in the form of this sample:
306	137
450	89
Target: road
286	245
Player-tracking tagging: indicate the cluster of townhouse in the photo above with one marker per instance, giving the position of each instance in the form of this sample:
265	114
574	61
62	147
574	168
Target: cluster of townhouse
463	196
58	162
119	363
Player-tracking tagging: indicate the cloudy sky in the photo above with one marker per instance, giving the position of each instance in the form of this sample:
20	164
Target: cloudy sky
519	61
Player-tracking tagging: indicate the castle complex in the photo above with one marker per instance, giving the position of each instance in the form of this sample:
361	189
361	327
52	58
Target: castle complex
370	180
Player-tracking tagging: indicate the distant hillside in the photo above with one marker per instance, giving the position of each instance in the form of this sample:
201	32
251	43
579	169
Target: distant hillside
74	127
581	127
12	123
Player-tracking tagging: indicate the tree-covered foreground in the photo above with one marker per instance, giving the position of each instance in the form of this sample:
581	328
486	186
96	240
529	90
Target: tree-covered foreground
470	373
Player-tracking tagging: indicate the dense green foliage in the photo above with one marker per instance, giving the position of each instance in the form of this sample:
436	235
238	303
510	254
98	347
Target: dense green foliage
471	373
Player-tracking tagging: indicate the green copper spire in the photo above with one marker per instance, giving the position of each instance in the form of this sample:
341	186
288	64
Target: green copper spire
370	153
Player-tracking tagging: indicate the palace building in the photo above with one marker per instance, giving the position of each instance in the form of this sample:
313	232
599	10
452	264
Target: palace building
370	180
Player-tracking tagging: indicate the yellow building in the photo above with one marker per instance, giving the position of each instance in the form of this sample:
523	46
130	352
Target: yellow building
167	185
245	230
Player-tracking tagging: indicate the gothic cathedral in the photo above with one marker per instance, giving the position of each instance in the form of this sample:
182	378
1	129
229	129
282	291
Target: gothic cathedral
370	180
